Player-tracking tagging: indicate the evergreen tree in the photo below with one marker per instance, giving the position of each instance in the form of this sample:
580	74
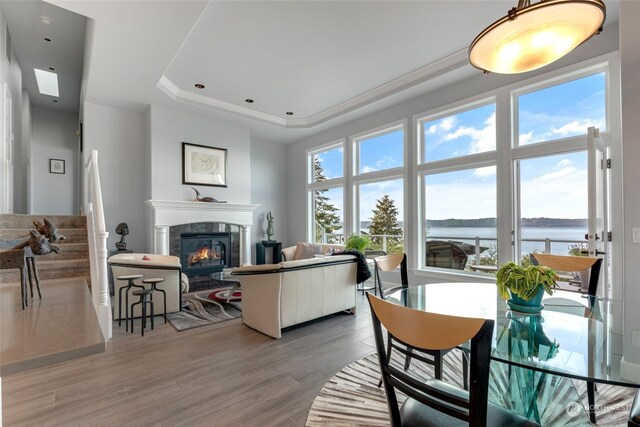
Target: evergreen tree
325	212
385	221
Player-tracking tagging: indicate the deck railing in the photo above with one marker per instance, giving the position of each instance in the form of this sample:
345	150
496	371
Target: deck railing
475	241
97	244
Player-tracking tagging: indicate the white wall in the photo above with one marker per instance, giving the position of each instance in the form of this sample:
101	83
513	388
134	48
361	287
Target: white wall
119	137
24	186
170	128
12	172
53	136
630	91
268	184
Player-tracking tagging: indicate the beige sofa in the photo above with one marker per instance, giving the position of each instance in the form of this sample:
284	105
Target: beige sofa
275	296
157	266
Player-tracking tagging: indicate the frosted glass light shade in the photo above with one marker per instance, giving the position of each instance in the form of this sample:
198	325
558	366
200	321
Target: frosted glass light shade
536	35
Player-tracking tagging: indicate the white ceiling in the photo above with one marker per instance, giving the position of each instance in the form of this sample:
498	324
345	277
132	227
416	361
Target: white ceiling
325	61
64	52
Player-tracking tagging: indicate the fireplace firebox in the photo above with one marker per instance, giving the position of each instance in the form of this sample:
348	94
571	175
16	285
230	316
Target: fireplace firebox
204	253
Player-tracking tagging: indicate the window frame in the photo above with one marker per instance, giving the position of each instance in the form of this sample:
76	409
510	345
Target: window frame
330	183
356	179
423	168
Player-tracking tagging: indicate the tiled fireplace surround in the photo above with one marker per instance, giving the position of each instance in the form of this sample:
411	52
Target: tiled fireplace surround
168	214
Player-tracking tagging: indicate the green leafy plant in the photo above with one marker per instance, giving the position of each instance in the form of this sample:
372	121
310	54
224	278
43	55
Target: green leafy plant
524	281
358	242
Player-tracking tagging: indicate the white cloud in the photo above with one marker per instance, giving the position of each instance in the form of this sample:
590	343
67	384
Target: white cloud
444	125
464	199
482	140
525	138
574	127
367	169
557	193
485	172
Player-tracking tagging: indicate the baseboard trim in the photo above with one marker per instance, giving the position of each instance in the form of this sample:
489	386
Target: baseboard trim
630	370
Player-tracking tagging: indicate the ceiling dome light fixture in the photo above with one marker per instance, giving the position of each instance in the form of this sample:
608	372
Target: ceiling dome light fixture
289	113
199	86
249	101
532	36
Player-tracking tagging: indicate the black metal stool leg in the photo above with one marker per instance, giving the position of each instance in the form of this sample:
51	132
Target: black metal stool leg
131	317
164	299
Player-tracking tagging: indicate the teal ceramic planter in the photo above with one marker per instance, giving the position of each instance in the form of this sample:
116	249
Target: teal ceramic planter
534	305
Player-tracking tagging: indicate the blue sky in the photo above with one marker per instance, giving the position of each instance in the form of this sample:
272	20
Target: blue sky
552	113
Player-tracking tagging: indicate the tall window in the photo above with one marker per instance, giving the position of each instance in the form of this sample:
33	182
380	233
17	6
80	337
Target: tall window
551	179
458	188
378	182
326	194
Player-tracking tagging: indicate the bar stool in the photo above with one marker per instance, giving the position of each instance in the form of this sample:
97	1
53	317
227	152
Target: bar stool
130	278
153	281
145	299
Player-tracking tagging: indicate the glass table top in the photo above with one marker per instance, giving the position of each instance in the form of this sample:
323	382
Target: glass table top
568	338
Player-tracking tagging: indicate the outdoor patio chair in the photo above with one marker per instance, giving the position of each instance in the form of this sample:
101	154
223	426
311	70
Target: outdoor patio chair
443	254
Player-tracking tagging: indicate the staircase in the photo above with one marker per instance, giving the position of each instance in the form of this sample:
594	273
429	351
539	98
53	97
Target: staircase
73	261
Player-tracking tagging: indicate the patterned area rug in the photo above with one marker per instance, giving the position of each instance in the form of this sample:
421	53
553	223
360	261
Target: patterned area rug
352	397
199	310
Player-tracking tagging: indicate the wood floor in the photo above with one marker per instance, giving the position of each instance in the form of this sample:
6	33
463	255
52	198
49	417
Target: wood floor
220	375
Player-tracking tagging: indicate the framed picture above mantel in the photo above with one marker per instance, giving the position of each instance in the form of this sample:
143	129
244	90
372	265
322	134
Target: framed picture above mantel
204	165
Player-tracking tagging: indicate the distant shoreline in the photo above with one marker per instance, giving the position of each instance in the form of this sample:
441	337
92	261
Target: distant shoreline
526	222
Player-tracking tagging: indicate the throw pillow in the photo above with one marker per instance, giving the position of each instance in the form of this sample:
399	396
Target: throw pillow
307	250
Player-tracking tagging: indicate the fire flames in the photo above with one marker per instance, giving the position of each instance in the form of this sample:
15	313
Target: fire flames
203	254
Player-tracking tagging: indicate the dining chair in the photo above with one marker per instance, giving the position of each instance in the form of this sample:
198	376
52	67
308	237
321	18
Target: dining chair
592	266
389	263
435	402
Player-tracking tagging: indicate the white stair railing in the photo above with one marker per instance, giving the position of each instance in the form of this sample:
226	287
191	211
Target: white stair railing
97	245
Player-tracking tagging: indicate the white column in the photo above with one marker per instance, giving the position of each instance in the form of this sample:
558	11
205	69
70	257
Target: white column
161	240
245	245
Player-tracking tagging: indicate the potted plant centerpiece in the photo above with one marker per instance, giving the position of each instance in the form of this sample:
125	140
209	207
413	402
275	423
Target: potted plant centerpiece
524	287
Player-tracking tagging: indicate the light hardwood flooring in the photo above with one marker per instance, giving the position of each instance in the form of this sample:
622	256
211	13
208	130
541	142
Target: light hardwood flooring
220	375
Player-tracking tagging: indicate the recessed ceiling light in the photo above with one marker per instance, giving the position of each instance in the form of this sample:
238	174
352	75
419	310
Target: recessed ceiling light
47	39
47	82
289	113
199	85
52	69
45	20
55	100
249	101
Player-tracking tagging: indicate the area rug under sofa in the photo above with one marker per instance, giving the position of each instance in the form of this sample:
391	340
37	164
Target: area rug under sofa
201	309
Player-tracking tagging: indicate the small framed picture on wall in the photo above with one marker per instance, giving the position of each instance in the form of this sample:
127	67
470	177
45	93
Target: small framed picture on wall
56	166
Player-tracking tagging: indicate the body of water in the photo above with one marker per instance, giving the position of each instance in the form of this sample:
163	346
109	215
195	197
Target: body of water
467	234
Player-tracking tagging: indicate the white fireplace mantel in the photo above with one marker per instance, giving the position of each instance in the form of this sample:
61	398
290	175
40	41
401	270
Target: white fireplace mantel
169	212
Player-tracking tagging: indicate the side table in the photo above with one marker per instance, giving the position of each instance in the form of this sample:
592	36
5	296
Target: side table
276	247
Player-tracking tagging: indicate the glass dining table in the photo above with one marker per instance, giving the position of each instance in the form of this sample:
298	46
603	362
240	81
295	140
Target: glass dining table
536	358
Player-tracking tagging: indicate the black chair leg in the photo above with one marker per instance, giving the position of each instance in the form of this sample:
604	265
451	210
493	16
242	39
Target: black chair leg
591	397
407	361
465	370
